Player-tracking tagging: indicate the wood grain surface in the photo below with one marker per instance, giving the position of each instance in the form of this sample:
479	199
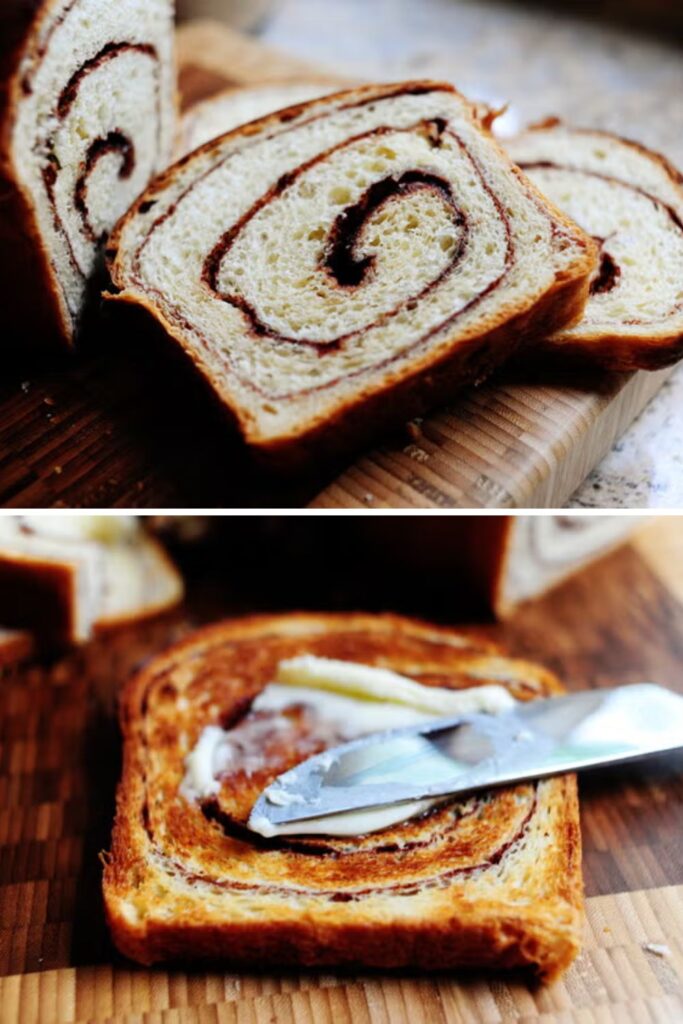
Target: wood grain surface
126	424
620	622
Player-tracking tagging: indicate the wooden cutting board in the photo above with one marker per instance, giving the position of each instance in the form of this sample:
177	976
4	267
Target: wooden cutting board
124	425
620	622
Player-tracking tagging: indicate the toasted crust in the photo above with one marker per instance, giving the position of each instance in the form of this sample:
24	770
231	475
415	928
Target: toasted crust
494	883
465	357
34	314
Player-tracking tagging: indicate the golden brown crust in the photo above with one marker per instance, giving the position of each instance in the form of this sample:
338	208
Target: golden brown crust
405	392
33	313
411	395
620	354
449	889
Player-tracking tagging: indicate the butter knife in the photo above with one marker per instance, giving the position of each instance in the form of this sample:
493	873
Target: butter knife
458	755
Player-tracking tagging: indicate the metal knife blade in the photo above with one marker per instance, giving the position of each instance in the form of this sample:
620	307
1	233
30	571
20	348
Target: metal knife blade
447	757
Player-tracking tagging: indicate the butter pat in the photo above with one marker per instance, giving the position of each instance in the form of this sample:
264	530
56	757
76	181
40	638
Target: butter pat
201	765
349	716
349	700
380	684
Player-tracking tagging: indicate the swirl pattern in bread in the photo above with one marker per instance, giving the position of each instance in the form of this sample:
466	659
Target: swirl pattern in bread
630	200
491	880
87	118
343	264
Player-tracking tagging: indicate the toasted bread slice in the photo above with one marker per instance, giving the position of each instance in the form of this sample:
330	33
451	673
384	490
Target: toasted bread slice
630	200
63	577
492	881
342	265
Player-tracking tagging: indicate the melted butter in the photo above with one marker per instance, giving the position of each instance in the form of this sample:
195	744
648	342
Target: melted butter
348	700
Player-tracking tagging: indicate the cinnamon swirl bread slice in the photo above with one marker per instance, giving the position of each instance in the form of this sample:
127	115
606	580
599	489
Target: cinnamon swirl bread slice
631	201
343	264
86	119
494	880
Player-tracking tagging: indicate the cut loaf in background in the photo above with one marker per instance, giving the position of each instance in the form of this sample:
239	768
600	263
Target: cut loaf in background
506	560
87	117
233	107
631	201
340	266
63	576
463	565
492	880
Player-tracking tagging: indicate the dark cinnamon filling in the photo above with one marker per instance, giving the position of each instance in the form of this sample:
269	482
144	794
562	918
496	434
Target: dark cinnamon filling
320	846
340	261
113	142
409	888
109	52
608	274
339	252
340	258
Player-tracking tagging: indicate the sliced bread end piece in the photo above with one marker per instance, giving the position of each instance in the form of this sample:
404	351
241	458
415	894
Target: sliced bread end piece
65	577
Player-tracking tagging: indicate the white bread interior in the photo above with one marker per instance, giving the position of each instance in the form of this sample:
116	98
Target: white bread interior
541	551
